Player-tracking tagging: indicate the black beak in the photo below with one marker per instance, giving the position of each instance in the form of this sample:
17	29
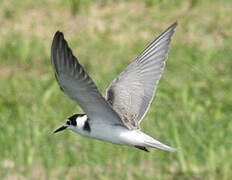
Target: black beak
60	129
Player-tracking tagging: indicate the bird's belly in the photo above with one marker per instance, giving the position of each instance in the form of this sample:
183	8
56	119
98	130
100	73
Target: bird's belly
115	134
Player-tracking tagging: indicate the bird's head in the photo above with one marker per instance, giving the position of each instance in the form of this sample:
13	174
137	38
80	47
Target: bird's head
75	123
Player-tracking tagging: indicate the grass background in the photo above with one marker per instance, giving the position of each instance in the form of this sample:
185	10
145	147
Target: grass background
191	111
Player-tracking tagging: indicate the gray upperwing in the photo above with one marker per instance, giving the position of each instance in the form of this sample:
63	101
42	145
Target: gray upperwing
76	83
132	92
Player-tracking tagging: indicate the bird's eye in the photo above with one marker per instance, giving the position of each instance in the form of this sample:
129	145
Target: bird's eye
68	122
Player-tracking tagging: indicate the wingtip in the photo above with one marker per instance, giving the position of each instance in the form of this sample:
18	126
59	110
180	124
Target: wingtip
174	25
57	39
58	34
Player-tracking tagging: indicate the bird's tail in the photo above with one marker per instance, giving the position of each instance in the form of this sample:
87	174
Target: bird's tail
151	142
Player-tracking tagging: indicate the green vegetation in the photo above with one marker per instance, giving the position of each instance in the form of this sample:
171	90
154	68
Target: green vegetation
192	109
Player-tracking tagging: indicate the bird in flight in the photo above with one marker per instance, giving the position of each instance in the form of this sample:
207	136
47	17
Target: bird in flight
115	118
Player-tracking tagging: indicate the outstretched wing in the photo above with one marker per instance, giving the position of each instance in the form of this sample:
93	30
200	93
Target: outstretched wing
76	83
132	92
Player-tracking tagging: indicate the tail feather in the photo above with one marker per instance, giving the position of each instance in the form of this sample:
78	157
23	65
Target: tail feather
157	144
153	143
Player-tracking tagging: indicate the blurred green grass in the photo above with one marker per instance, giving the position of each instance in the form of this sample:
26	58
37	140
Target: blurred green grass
191	111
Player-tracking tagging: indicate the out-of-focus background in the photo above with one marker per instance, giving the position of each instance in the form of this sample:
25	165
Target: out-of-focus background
192	109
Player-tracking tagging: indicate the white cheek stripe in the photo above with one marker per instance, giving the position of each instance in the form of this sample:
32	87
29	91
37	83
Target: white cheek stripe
81	121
